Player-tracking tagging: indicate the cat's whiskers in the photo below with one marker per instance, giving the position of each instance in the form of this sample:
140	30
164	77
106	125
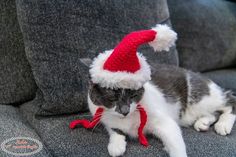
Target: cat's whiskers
98	124
99	116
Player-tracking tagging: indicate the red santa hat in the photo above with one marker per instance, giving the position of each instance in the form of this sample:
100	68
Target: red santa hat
124	67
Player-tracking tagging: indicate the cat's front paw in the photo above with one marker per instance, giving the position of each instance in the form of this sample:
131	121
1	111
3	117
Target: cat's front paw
222	129
117	145
202	124
225	124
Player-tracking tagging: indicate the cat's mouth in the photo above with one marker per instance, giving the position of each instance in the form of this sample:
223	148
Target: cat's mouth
121	116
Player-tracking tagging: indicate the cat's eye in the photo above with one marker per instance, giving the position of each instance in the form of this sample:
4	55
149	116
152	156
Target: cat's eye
112	99
134	96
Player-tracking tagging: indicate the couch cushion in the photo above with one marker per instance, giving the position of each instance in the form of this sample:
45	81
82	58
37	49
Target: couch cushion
16	79
225	78
62	141
58	33
206	31
12	126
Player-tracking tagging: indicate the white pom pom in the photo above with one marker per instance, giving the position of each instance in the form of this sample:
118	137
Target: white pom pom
165	38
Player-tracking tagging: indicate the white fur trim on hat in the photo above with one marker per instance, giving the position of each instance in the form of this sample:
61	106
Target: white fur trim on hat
120	79
165	38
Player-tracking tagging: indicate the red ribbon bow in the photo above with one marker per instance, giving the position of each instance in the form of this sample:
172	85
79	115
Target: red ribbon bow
97	117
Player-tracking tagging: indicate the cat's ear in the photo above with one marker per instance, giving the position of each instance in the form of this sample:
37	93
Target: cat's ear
86	61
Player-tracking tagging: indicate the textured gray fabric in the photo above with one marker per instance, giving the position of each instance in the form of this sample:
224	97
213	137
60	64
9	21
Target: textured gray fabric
206	31
13	125
62	141
225	78
57	33
16	79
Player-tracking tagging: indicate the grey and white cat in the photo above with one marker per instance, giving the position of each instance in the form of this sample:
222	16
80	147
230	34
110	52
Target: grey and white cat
175	97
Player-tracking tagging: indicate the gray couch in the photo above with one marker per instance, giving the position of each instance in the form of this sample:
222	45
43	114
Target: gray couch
43	84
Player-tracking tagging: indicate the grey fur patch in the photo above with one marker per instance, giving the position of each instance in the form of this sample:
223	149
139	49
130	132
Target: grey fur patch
199	87
173	83
98	96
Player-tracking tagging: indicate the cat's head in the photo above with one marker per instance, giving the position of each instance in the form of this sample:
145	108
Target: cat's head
120	102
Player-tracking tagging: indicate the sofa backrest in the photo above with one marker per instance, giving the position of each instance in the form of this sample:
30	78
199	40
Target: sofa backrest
206	31
16	80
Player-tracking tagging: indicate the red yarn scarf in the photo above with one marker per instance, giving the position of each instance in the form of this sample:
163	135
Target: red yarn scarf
97	117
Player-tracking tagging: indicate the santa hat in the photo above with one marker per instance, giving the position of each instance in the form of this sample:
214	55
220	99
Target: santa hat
123	67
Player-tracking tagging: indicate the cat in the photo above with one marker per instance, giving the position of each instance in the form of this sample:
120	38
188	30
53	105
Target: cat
174	97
